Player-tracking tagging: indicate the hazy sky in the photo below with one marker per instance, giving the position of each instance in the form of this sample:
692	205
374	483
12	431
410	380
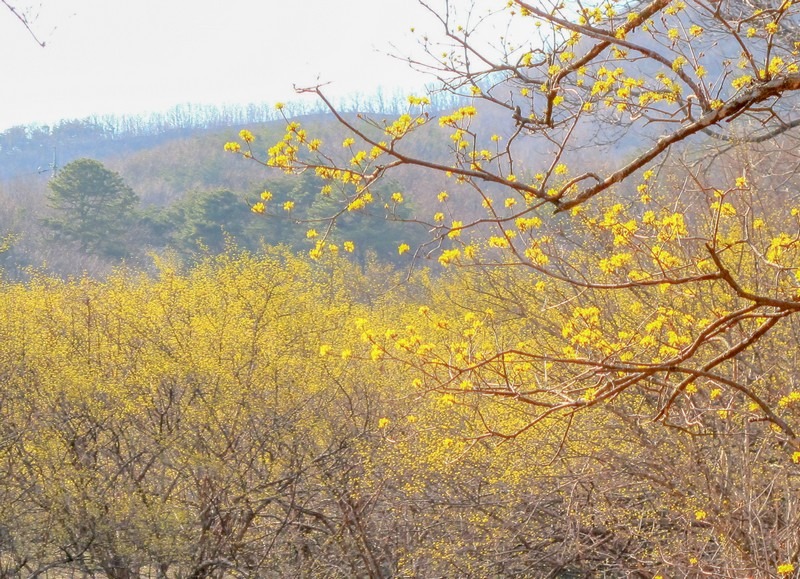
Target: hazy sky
136	56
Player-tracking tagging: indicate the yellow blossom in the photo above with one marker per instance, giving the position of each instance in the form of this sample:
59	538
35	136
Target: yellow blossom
497	241
678	63
448	256
742	81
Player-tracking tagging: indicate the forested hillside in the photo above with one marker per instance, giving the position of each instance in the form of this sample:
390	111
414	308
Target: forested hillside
193	199
542	322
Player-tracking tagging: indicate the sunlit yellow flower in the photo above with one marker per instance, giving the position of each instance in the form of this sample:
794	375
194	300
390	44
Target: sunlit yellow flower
455	229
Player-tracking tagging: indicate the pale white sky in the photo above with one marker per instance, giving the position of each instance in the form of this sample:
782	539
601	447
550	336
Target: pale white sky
138	56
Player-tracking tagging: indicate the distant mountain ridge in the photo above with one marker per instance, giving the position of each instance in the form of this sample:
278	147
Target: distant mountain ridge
35	148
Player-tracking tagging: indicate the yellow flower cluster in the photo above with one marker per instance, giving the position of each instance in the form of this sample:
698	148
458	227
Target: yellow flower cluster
360	202
455	119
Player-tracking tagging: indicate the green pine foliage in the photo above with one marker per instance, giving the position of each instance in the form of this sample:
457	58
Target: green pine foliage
92	207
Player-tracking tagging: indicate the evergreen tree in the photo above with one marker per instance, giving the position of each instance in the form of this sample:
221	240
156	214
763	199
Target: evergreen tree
92	206
207	219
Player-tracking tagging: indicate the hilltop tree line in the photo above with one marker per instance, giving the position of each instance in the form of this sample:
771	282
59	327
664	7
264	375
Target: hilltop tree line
32	149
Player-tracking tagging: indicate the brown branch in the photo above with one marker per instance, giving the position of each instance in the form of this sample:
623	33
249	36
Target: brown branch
21	17
725	275
758	139
726	355
390	150
771	416
608	38
734	107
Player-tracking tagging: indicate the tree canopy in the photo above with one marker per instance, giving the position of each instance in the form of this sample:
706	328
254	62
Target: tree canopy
92	206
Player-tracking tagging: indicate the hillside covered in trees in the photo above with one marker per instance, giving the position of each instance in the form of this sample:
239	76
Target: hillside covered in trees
192	199
542	322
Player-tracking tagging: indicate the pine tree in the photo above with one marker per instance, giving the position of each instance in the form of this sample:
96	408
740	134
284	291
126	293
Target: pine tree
92	206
